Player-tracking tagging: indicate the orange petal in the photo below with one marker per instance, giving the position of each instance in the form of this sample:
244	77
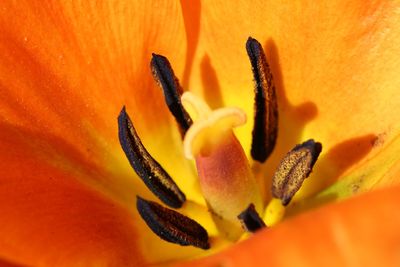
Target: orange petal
4	263
67	60
49	217
67	69
342	234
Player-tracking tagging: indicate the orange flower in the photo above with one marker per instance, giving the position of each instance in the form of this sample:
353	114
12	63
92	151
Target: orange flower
67	192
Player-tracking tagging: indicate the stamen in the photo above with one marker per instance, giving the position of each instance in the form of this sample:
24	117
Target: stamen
295	167
172	226
165	77
251	220
265	129
146	167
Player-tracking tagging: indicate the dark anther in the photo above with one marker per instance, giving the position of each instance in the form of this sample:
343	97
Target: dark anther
165	77
148	169
266	108
293	169
250	219
171	225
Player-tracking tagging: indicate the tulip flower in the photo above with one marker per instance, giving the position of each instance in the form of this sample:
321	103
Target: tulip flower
69	196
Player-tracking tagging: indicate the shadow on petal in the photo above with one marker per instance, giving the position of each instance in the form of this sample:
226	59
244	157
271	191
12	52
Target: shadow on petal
212	88
6	263
191	16
337	160
292	120
329	169
345	154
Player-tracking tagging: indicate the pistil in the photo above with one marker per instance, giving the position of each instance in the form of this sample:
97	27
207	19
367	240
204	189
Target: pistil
225	176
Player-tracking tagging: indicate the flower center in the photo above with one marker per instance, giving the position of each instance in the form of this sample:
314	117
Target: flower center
226	179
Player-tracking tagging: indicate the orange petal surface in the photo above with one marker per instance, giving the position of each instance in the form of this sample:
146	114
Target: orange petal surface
50	218
341	234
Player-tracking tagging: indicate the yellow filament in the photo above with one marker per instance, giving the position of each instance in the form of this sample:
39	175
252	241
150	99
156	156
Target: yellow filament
274	212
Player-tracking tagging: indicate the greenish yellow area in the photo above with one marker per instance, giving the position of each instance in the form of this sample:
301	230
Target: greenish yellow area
373	173
379	171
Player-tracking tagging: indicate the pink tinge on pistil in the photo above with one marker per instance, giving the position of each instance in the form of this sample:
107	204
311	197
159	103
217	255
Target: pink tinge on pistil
226	180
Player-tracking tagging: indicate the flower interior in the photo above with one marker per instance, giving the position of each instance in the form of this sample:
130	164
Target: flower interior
233	195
